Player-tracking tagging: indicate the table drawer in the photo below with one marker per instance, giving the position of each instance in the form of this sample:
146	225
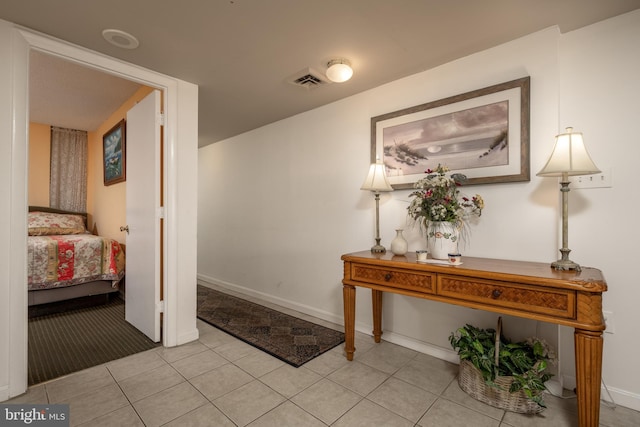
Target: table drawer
531	298
414	281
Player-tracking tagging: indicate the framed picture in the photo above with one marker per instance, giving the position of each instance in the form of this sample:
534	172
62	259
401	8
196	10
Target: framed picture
114	154
483	134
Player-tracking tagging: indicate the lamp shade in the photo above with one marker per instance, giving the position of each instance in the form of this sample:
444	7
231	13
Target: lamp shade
376	179
339	70
569	157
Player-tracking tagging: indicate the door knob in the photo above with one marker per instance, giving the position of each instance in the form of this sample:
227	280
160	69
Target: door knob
125	228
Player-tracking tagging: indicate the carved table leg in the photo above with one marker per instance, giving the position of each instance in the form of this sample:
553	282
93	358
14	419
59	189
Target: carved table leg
349	300
376	299
588	376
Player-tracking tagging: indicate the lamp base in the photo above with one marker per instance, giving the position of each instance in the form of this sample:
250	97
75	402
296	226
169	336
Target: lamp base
565	263
378	249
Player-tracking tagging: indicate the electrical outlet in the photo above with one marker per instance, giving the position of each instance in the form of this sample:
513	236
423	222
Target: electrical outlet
609	321
603	179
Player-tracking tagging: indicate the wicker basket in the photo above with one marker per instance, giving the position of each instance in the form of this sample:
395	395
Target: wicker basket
471	381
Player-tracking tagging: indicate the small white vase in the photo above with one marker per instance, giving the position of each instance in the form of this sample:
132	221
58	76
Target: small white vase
442	239
399	245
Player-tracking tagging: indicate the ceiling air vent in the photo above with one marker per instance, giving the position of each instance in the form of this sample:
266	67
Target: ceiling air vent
308	78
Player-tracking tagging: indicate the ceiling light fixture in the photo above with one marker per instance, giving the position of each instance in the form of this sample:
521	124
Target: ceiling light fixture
339	70
120	39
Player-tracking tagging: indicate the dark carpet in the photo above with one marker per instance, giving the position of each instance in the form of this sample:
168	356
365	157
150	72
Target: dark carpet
67	342
288	338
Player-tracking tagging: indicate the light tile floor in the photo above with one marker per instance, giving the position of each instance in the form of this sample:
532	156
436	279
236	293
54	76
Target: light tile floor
221	381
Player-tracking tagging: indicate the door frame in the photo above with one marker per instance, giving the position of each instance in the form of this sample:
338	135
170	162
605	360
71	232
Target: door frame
179	323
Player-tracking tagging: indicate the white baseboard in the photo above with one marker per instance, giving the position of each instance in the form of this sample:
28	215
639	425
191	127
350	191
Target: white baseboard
305	309
611	395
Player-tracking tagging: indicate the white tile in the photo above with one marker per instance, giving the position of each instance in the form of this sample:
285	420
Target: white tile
358	377
387	357
428	373
198	364
171	354
287	415
289	381
150	382
258	364
248	402
167	405
135	364
204	416
326	400
445	413
367	413
79	383
221	381
123	417
403	399
88	406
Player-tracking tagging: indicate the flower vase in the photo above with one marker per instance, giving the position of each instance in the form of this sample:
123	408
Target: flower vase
399	245
442	239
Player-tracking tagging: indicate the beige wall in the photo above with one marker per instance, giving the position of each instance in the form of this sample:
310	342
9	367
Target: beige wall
39	164
107	204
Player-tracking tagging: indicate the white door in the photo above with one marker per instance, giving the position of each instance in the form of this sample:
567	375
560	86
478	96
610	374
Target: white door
142	286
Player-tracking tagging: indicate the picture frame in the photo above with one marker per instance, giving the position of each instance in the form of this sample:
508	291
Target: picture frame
483	134
114	154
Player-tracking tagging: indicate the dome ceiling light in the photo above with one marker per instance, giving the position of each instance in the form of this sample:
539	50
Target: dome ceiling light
120	39
339	70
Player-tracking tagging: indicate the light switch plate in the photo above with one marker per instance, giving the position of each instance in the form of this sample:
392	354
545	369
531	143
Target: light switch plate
603	179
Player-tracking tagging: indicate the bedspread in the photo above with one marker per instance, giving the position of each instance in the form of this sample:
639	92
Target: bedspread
58	261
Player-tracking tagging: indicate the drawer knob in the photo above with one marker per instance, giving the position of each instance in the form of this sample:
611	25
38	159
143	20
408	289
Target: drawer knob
387	277
496	293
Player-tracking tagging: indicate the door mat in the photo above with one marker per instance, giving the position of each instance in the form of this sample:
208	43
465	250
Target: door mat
292	340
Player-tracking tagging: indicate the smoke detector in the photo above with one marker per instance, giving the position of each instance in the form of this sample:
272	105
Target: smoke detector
120	39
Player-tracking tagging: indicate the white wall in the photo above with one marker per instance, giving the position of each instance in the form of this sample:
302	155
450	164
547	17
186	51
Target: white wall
599	93
280	204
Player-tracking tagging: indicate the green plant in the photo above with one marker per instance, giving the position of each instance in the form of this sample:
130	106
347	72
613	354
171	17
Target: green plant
525	361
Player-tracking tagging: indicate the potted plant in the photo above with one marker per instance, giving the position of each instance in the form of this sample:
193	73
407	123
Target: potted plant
510	371
441	210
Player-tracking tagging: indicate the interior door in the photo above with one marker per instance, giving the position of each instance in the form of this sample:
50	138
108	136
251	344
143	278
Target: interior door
143	271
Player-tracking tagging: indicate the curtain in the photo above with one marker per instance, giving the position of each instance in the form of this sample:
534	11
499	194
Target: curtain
68	183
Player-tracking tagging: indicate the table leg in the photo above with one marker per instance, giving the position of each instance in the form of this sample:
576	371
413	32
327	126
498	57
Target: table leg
349	301
376	299
588	376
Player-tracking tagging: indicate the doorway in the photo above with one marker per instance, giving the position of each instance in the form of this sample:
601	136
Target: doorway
179	321
51	80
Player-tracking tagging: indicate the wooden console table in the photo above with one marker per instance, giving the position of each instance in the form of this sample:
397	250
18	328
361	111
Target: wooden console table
524	289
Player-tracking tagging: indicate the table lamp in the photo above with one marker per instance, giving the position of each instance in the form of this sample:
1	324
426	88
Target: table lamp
569	158
377	182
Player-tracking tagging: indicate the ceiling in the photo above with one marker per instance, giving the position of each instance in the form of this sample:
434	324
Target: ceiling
242	53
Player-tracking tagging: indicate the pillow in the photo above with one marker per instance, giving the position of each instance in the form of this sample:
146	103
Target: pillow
47	223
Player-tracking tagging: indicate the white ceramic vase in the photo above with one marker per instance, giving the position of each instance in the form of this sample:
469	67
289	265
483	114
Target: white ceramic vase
442	239
399	245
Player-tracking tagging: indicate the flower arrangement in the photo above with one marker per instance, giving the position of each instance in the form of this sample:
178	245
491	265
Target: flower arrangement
437	198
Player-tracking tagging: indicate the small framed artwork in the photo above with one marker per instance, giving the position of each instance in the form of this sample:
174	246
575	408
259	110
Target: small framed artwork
483	134
114	154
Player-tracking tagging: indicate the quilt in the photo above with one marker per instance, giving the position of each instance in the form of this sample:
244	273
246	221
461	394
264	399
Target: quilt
65	260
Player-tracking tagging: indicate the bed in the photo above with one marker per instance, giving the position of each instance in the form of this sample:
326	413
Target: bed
66	261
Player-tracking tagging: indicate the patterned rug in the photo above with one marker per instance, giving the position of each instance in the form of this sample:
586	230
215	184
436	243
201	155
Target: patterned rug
288	338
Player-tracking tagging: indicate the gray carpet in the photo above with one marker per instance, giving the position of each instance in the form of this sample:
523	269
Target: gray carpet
67	342
286	337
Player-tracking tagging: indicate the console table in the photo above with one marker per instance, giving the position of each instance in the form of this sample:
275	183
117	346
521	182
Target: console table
524	289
